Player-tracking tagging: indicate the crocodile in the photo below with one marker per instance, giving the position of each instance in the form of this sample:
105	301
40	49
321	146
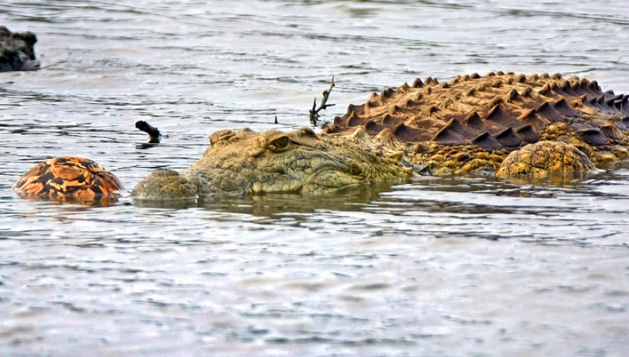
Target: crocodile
505	124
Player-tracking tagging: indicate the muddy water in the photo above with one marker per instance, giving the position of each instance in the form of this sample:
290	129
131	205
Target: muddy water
456	266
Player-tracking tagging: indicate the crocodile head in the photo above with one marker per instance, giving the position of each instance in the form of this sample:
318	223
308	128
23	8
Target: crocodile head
247	162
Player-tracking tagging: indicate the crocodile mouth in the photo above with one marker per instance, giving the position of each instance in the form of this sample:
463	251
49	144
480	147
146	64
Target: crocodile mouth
318	173
326	178
330	178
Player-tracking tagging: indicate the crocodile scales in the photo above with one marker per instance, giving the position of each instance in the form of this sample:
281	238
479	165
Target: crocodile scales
473	122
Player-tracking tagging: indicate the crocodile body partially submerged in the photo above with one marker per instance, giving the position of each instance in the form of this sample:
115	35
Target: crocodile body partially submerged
506	124
472	123
17	50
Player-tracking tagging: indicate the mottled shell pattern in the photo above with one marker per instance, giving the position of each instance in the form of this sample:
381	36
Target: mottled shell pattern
68	178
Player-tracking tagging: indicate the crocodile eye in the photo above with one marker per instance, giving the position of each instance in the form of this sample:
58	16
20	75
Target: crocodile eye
279	144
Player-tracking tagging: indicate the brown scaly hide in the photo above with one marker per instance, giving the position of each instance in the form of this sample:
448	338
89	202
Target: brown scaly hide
452	127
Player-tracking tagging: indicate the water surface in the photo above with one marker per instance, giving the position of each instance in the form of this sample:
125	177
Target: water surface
436	267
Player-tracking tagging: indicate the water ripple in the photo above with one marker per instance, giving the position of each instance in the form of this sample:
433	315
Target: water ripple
439	266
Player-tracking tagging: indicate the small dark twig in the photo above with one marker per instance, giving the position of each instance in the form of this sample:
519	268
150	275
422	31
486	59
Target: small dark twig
314	112
155	135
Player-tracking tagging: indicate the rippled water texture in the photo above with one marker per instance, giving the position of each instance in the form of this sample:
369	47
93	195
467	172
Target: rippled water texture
437	267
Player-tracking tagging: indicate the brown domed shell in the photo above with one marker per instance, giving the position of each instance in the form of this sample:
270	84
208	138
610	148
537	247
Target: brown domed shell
68	178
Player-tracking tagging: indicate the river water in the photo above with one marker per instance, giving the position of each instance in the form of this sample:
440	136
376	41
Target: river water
436	267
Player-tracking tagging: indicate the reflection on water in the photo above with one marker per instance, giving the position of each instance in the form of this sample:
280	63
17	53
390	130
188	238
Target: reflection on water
350	198
439	266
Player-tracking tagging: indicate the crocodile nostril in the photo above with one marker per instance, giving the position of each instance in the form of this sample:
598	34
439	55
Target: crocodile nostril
355	169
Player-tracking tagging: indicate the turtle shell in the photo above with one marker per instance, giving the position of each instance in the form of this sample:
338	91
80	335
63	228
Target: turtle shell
68	178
